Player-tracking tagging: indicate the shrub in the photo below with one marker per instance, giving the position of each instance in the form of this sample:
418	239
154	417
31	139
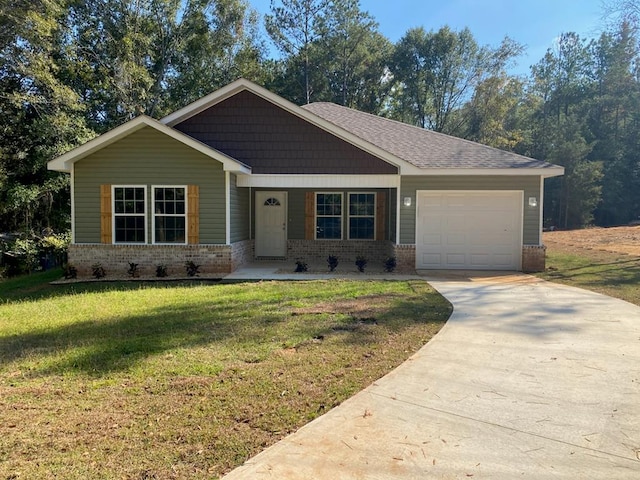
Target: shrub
98	271
332	261
161	271
390	264
133	270
70	272
55	245
301	266
192	268
361	262
26	254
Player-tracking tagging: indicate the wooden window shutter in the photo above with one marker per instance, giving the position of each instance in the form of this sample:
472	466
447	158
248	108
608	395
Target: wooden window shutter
106	235
381	208
193	214
309	216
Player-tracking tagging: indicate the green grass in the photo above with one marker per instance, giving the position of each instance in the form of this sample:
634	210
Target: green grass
613	274
187	380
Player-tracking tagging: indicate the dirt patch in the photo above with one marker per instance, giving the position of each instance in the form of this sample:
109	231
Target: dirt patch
362	307
625	240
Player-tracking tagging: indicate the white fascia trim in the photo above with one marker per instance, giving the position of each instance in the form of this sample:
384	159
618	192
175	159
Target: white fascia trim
73	205
319	181
227	196
398	200
541	212
513	172
64	162
243	84
213	98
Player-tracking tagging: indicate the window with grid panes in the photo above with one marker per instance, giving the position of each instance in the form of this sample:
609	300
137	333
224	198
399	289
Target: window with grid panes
362	216
170	215
129	212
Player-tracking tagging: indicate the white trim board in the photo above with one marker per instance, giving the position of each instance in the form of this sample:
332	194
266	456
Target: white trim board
319	181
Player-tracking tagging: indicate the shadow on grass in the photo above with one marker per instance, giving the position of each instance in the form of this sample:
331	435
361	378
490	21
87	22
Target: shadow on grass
603	274
100	347
37	286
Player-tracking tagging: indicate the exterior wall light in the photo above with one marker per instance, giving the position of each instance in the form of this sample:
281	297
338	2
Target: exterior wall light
407	201
533	202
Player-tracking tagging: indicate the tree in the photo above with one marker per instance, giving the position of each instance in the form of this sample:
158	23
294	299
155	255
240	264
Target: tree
72	68
41	116
614	123
562	83
293	28
572	198
493	113
352	54
152	56
439	71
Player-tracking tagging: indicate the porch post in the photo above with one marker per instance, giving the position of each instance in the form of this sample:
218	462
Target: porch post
227	206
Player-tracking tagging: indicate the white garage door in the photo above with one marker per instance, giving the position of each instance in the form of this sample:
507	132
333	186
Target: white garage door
476	230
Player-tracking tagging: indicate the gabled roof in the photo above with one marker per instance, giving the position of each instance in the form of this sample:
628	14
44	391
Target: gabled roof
242	84
427	150
64	162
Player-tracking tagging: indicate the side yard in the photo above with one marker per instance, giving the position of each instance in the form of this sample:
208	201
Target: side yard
187	380
605	260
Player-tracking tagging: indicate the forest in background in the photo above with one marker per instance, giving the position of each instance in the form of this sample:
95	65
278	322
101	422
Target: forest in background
73	69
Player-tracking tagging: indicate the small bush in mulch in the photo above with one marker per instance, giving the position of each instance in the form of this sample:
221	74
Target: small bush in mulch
332	261
361	262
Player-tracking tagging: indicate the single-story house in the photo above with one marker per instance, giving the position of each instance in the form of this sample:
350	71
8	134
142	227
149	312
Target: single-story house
243	174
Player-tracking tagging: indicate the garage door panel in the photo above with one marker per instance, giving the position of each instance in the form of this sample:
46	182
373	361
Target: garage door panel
455	239
474	230
503	260
455	260
454	201
431	260
432	240
480	260
455	221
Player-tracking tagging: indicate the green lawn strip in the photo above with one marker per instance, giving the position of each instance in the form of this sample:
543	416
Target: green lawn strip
612	274
28	285
188	380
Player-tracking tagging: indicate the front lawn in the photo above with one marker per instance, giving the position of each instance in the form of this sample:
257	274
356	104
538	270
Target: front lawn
126	380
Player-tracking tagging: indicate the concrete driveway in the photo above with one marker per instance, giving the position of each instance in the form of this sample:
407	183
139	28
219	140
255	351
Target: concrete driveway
527	379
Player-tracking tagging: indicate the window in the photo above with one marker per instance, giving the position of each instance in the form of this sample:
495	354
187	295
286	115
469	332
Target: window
362	216
129	214
329	216
272	202
169	215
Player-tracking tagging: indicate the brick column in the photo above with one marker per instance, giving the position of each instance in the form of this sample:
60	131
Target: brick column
533	258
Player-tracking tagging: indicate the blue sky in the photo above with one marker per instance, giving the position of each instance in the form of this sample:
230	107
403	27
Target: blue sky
533	23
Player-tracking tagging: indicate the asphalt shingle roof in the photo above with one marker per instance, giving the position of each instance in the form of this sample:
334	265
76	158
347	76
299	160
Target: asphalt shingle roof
423	148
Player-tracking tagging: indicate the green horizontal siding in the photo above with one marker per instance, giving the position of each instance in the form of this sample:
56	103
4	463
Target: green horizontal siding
530	185
239	198
147	157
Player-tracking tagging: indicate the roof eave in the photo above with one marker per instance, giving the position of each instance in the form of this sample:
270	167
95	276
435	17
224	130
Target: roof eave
545	172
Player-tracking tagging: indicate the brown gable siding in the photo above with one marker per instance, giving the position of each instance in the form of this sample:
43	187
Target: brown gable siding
271	140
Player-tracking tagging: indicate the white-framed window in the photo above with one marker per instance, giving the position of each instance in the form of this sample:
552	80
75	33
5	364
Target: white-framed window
129	213
362	216
329	215
169	219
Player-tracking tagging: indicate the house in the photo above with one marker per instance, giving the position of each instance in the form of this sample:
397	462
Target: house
243	174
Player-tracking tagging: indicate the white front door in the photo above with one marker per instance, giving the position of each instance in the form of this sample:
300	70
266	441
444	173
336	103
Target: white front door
271	224
476	230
